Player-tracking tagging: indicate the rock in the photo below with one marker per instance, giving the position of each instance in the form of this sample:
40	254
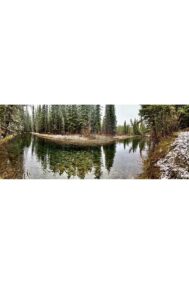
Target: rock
176	162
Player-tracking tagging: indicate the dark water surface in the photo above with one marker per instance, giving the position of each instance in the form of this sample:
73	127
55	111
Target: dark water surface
29	157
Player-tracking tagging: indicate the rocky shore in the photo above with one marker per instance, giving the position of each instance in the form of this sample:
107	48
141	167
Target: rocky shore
176	162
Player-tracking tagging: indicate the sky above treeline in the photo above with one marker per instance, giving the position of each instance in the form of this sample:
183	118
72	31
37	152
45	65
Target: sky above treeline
125	113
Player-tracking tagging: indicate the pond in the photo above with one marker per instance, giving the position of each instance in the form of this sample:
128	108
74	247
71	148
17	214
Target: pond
30	157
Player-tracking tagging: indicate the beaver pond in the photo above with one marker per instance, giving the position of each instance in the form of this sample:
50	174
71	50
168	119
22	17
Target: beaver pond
30	157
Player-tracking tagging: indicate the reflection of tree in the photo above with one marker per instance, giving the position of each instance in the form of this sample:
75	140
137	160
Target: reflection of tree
127	142
41	148
151	170
134	145
11	157
142	146
69	160
109	152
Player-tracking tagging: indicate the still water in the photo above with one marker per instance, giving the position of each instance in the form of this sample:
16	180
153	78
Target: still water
29	157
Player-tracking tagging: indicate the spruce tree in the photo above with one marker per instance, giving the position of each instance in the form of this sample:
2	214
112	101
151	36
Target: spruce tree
72	119
125	128
95	119
98	118
110	120
44	119
33	119
54	119
85	123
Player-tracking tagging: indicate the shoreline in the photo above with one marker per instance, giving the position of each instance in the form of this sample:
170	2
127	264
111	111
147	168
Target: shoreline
7	139
94	140
151	169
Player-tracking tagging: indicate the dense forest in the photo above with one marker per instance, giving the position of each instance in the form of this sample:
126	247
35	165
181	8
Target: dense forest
57	119
155	120
14	119
163	120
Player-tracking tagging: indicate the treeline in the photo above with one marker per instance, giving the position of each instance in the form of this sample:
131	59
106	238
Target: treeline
14	118
67	119
163	120
57	119
73	119
135	127
157	120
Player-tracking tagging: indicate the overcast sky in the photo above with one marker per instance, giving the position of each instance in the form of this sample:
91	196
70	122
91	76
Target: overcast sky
126	112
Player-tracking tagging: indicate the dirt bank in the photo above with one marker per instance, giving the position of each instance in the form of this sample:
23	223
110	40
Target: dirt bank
94	140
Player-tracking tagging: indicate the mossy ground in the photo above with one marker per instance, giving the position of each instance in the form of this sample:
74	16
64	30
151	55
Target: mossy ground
7	139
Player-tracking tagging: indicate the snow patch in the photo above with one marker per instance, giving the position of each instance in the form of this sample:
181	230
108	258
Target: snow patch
176	162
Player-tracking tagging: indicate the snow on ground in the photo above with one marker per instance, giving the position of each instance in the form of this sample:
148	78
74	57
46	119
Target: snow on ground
176	162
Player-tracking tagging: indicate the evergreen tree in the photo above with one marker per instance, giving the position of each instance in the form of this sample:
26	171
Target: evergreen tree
33	119
54	123
44	119
97	119
110	120
162	120
26	118
11	118
38	119
72	119
183	112
85	122
125	128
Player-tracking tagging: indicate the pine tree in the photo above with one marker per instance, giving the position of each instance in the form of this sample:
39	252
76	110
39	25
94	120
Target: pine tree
26	118
84	121
11	118
38	119
54	119
33	119
44	119
110	120
72	119
162	120
125	128
96	119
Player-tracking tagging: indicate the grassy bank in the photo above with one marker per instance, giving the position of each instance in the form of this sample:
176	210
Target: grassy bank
7	139
151	170
93	140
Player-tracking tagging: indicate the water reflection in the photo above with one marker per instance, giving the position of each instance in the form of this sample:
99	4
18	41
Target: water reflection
109	152
32	157
11	158
70	161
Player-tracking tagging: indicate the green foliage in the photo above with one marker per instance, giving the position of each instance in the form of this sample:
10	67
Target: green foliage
67	119
12	118
162	120
109	123
27	124
135	127
183	111
72	119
